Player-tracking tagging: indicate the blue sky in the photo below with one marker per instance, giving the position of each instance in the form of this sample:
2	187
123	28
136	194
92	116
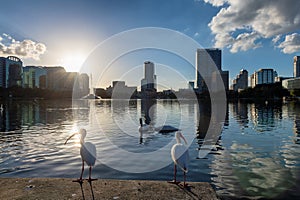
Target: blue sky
252	34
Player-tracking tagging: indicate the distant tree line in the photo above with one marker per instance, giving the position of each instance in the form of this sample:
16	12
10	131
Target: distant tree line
261	92
264	91
19	92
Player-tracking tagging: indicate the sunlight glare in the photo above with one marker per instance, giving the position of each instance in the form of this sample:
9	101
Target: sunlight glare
76	137
72	62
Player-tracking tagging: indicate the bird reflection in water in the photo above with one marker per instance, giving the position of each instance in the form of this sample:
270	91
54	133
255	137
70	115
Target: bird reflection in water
88	155
147	123
145	129
148	111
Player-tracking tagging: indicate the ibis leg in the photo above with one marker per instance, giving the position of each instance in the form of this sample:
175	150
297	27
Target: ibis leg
185	185
80	180
90	175
175	174
184	179
82	169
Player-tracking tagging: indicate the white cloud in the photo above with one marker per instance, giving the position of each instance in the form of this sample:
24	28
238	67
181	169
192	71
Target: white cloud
276	39
291	44
24	49
244	42
216	2
238	20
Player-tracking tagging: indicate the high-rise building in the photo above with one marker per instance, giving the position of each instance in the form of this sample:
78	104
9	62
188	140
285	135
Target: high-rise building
208	62
148	83
55	77
81	86
225	78
84	85
241	81
10	72
3	71
252	80
297	66
33	77
263	76
69	80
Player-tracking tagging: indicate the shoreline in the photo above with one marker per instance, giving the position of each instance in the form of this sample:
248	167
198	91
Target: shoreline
64	188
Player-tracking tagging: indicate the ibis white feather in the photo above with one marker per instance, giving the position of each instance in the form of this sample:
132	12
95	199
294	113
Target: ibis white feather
87	152
180	156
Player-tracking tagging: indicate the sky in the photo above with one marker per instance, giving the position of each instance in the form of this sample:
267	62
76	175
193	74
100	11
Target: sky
252	34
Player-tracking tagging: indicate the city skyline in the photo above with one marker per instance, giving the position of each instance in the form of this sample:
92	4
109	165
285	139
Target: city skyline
35	76
65	32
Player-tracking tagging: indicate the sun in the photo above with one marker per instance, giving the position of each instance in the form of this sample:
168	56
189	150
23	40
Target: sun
72	62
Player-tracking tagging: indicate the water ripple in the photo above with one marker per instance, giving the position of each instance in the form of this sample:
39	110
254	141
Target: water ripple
258	154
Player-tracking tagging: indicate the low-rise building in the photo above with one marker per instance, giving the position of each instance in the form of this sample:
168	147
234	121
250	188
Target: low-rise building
291	84
119	90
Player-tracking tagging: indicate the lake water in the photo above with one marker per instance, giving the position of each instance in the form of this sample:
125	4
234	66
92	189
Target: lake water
256	155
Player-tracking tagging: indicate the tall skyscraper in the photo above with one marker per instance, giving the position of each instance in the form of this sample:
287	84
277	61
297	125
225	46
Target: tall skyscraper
241	81
208	61
10	72
148	83
297	66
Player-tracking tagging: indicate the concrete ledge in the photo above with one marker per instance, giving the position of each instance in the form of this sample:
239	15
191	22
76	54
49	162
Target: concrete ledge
61	188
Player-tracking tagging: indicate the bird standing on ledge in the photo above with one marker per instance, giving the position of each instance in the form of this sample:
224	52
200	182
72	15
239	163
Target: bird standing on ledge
180	157
87	152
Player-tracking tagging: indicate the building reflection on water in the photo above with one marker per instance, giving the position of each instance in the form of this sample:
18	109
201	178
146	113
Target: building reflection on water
262	160
205	118
265	116
240	111
149	110
296	111
21	114
10	117
259	161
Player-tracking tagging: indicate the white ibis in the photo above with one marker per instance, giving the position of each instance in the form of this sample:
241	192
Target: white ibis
87	152
180	157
